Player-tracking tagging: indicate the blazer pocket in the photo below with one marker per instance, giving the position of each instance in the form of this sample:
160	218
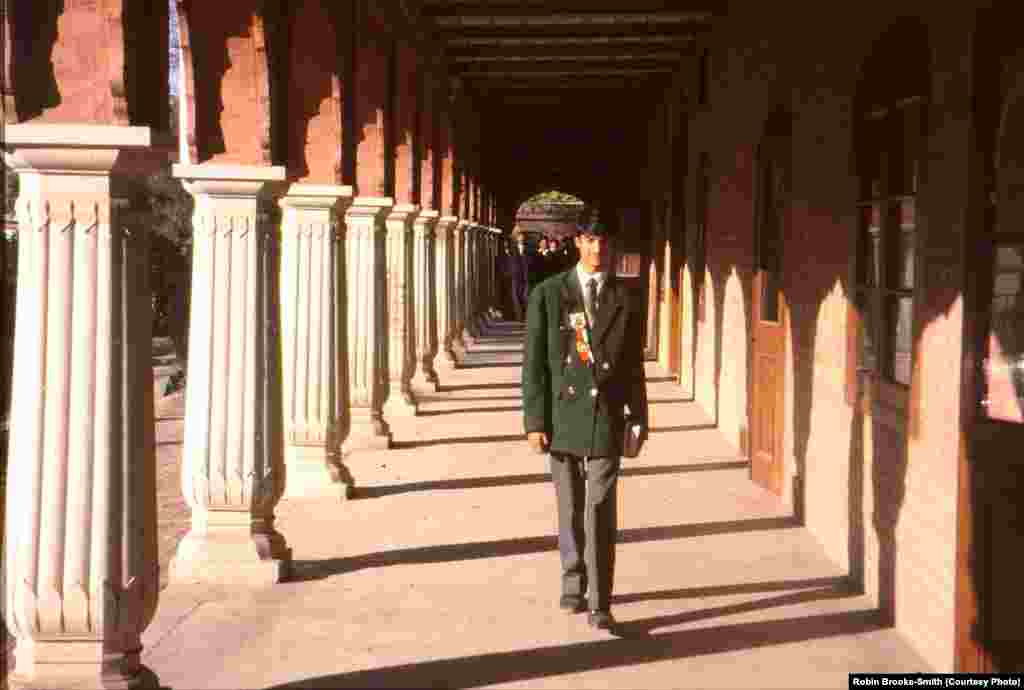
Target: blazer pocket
567	392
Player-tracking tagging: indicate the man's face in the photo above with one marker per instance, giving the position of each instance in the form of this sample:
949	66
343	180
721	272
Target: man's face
595	251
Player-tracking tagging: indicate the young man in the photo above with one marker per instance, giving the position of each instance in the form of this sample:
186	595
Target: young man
582	370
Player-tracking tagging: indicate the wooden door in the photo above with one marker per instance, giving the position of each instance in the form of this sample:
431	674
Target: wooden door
674	270
768	339
990	606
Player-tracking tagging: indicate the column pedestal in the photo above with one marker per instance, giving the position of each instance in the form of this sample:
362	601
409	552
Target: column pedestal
401	313
365	251
80	569
233	469
311	318
424	378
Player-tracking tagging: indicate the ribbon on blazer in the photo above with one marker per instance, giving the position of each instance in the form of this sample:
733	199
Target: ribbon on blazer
578	321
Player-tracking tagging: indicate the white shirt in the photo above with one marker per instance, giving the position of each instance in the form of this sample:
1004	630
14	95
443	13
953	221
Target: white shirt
585	277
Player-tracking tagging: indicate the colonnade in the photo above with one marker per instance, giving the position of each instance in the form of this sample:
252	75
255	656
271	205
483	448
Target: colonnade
330	292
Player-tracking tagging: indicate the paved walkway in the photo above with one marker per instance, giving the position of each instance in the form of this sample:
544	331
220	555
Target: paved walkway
444	572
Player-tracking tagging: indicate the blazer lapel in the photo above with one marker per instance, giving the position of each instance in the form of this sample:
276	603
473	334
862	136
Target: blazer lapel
611	303
572	294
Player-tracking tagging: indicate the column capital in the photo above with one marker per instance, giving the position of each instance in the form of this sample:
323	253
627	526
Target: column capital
228	181
402	212
443	227
70	151
318	196
369	207
425	223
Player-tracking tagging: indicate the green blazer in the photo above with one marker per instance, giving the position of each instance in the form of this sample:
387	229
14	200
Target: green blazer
580	405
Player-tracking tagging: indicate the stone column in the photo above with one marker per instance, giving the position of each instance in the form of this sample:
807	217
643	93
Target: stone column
469	329
312	267
492	295
365	249
233	468
486	272
424	378
443	243
80	555
458	287
401	321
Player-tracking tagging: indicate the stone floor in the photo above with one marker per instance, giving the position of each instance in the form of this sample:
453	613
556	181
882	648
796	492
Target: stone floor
443	572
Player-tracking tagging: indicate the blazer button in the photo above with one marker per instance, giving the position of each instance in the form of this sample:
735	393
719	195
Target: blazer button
605	366
593	392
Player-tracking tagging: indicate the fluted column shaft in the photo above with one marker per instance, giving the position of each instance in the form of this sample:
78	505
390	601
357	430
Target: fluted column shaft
483	287
444	242
495	239
233	461
80	555
401	320
469	329
491	298
365	263
312	267
458	250
424	379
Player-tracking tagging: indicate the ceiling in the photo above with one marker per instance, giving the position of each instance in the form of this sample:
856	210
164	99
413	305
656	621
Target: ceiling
568	84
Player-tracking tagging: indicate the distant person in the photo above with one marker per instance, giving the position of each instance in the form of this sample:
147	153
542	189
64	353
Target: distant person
517	268
582	369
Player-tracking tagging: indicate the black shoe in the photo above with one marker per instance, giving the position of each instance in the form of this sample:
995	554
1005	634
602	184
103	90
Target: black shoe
571	603
602	620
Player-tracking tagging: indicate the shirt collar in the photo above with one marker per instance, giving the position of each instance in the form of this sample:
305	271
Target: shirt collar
585	276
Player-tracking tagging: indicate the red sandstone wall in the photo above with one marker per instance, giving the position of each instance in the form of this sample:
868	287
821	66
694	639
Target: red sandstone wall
850	474
314	106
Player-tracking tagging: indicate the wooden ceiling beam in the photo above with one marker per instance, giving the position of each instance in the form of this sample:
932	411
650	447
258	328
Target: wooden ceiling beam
495	19
486	87
630	42
544	72
575	54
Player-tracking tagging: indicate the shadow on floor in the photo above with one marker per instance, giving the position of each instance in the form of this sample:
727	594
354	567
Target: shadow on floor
399	445
465	410
543	662
731	589
478	387
682	427
303	571
489	365
537	478
466	398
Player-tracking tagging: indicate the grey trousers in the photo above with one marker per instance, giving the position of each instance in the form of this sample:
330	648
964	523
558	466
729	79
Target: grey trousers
586	525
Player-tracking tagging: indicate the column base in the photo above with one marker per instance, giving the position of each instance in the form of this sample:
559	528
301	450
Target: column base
231	554
315	471
444	361
77	665
366	433
425	382
400	404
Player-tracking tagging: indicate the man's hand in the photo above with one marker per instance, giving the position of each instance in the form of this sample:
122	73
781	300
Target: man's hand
538	441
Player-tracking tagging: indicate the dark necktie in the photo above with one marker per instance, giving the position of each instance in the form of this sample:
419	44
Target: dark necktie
592	296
